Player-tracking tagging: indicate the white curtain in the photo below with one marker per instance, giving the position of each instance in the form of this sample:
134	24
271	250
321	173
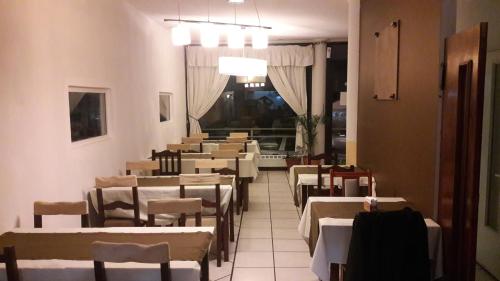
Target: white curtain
290	82
205	85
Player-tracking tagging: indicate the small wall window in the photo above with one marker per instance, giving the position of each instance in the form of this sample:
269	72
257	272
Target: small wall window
165	109
87	107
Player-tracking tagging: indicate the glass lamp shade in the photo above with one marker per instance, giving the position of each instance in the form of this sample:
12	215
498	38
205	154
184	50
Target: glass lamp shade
260	38
181	35
236	39
240	66
209	36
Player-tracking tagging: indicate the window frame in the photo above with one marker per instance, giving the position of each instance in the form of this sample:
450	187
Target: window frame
170	113
107	100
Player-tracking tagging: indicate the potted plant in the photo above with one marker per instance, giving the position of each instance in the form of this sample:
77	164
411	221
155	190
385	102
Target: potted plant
309	132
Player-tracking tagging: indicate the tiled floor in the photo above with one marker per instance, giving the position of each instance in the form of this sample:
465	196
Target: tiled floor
269	246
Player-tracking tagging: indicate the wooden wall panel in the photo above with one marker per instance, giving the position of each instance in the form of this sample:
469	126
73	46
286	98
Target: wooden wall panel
398	140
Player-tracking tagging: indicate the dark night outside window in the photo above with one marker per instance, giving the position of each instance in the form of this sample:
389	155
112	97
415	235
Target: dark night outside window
87	115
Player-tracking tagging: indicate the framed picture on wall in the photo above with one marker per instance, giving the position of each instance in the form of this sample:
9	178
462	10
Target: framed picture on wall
87	108
165	106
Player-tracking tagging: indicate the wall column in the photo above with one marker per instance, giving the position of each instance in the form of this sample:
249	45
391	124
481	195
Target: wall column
352	81
318	93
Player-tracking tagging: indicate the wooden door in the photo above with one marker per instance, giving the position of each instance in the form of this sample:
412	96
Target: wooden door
462	110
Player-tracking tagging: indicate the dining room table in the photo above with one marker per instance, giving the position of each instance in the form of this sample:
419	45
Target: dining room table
213	145
48	254
326	226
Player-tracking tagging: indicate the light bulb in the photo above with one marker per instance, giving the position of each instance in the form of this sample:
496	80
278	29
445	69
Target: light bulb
181	35
209	36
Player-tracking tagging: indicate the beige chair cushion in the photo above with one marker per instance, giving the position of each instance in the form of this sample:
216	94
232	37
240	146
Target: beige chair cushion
192	140
142	165
225	154
199	179
235	140
130	252
210	164
232	146
178	146
238	135
116	181
60	208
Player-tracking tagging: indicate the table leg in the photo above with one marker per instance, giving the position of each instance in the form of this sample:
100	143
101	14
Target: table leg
245	194
335	272
305	195
231	219
204	269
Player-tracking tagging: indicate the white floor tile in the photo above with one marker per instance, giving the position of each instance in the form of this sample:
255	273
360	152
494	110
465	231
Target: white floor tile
219	272
286	223
253	274
255	233
286	233
290	245
256	223
292	259
257	214
284	214
255	245
254	259
295	274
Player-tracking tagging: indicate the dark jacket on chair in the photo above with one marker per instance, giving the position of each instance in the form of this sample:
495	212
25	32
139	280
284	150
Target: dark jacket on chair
388	246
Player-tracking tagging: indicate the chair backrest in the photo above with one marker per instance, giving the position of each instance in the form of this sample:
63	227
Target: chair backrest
352	176
9	258
225	154
194	140
145	166
209	164
200	135
238	135
238	140
186	206
228	154
202	179
128	252
183	147
60	208
326	170
117	181
240	147
170	162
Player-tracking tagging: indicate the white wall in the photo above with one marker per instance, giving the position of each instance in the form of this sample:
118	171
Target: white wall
47	46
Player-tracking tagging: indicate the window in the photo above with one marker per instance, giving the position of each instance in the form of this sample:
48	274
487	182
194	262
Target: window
165	107
254	107
87	107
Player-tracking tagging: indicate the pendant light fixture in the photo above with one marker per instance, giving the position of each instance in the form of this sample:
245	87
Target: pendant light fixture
236	35
180	34
209	32
242	66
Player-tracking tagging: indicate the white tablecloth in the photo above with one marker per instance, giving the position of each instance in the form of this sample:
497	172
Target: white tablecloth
65	270
305	220
209	146
335	237
159	192
249	164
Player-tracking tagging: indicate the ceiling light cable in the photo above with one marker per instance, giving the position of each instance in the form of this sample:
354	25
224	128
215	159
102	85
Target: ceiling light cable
179	11
257	11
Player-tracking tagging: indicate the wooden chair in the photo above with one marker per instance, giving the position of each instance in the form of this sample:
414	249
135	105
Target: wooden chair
118	181
60	208
350	176
210	179
183	207
231	154
9	258
194	140
238	140
240	147
128	252
146	166
170	162
239	135
182	147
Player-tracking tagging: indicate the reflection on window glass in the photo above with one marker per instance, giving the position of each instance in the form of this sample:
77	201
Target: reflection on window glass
254	107
493	201
87	114
164	107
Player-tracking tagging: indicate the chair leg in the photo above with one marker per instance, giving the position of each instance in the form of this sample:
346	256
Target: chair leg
225	237
231	219
238	198
219	242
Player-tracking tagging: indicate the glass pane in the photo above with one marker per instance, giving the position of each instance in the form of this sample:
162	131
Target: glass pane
493	201
87	115
164	107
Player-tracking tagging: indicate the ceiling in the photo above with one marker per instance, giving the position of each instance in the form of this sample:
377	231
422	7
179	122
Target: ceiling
291	20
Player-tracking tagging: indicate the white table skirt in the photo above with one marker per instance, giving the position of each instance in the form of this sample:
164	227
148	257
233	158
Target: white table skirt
305	220
69	270
156	193
335	236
